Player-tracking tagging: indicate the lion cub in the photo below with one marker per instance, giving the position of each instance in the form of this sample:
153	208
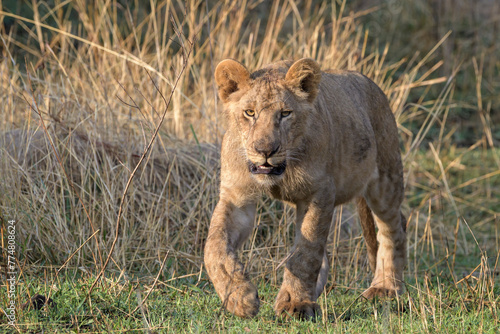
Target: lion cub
314	140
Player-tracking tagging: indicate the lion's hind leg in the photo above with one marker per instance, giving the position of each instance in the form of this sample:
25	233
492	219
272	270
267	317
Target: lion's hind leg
384	196
369	232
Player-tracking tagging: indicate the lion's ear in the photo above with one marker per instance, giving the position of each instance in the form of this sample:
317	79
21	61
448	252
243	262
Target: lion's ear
230	77
304	76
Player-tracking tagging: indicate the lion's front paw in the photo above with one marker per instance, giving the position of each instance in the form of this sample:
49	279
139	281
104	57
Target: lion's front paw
375	291
242	300
302	310
287	307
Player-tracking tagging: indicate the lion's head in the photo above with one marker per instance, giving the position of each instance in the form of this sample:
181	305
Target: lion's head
270	110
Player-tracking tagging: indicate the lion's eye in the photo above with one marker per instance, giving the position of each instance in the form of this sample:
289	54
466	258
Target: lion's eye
285	113
250	113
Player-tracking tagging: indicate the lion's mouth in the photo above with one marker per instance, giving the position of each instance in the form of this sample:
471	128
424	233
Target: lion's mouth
267	169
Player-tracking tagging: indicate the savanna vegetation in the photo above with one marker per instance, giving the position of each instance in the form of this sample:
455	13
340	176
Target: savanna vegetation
109	140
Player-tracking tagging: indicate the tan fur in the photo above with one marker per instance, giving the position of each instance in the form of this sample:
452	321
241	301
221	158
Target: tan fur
328	138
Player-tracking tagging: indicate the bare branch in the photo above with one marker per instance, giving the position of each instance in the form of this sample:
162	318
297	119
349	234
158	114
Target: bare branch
143	156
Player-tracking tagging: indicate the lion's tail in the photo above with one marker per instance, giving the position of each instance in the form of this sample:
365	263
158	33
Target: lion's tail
368	227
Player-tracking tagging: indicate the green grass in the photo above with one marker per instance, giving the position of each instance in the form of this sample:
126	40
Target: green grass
431	304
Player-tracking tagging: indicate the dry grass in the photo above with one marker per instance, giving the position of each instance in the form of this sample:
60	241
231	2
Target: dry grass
416	26
100	106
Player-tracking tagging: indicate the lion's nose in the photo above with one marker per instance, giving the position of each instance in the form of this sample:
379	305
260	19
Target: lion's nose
266	148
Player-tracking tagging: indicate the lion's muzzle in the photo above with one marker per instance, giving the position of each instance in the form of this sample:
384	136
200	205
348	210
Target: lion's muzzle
266	157
266	168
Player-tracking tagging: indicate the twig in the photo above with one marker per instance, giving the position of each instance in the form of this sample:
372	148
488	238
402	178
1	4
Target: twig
66	262
146	151
76	251
147	328
152	287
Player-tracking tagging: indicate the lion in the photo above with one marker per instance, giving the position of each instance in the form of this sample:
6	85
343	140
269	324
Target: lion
314	140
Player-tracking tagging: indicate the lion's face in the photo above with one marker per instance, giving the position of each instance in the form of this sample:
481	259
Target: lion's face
269	110
268	118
